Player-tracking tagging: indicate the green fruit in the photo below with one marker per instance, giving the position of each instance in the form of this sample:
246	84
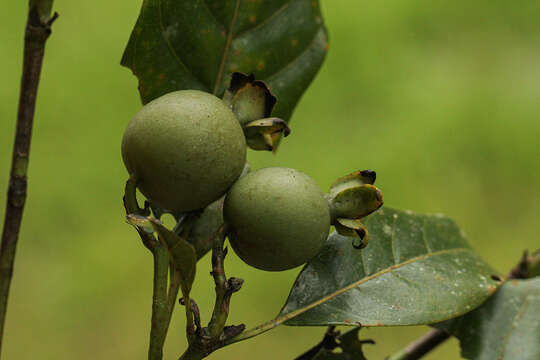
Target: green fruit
278	218
185	149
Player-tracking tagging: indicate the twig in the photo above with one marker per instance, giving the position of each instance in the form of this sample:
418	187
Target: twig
38	29
258	330
216	335
422	346
196	314
224	288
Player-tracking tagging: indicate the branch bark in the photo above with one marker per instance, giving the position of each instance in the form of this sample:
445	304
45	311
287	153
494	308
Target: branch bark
38	29
224	288
216	334
422	346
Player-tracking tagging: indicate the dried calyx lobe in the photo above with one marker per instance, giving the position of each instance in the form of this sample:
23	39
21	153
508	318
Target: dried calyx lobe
252	102
351	198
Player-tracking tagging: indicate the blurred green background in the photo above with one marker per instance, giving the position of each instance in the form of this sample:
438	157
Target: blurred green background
441	98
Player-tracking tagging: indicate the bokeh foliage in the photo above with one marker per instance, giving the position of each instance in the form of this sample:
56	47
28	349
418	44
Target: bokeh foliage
441	98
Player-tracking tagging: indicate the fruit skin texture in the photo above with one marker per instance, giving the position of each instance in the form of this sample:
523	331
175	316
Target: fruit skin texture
186	148
278	218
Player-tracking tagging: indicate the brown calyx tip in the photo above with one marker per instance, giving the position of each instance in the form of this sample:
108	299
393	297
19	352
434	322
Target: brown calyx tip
370	174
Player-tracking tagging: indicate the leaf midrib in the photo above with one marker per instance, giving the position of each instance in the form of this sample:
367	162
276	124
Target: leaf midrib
288	316
227	47
515	321
228	42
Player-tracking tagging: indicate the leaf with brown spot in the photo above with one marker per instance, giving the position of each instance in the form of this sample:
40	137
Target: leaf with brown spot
198	44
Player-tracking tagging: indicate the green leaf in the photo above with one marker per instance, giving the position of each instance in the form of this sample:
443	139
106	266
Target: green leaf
181	252
417	269
197	44
507	326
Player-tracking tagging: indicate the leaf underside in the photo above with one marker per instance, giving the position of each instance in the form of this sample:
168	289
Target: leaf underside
507	326
417	269
197	44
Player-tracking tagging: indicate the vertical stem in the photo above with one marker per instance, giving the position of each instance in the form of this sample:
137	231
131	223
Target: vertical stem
160	305
38	29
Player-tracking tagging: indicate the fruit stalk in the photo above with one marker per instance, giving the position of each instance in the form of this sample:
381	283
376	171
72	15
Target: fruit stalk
38	29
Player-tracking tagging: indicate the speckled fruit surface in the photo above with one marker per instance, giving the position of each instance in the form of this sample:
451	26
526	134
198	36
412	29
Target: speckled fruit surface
186	149
278	218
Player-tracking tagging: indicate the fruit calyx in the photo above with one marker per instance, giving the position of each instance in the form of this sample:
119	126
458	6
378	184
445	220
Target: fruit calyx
352	198
252	102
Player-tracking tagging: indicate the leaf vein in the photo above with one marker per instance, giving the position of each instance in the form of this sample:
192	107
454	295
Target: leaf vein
227	47
364	265
514	323
393	241
267	20
426	244
330	296
207	7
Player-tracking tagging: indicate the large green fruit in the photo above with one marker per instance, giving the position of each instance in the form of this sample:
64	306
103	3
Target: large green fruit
278	218
185	148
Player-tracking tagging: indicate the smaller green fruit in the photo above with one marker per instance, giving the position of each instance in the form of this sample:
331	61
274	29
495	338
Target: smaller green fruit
278	218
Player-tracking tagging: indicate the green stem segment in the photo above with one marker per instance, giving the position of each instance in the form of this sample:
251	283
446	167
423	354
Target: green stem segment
38	29
160	304
422	346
